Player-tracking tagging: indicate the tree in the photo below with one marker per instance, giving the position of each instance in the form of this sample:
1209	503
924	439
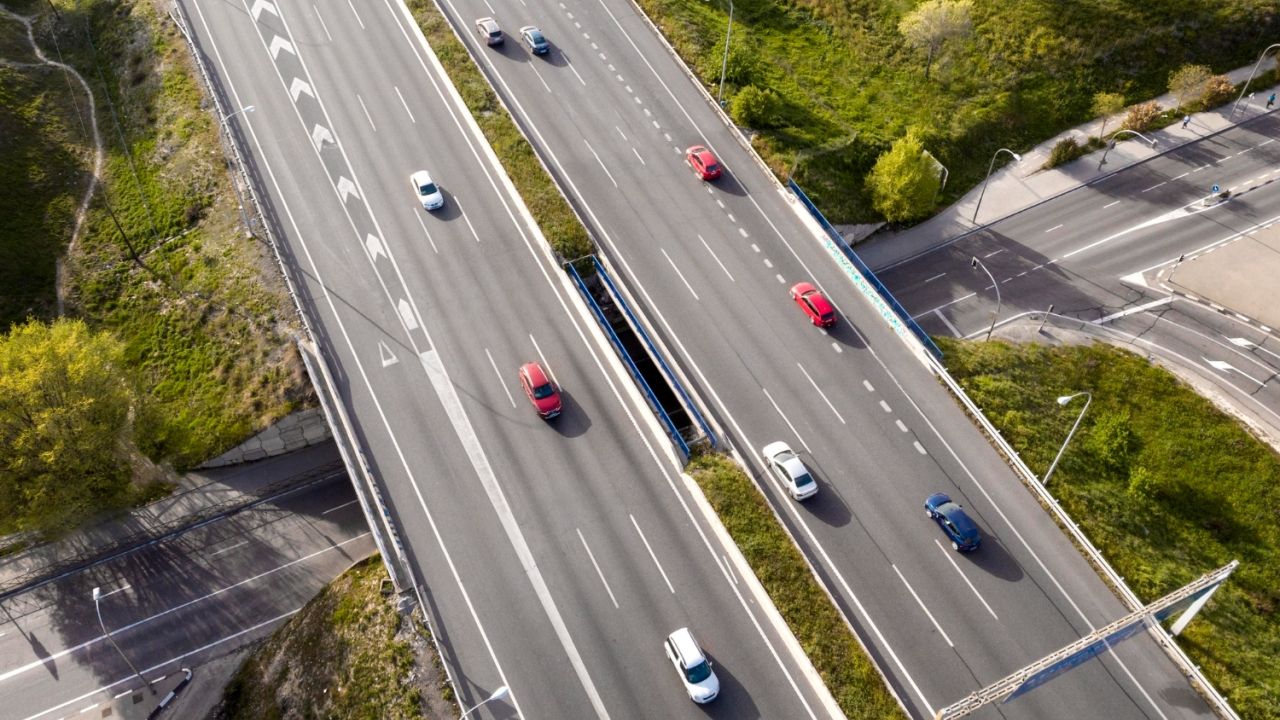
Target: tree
1105	105
64	421
933	22
1188	83
904	181
754	107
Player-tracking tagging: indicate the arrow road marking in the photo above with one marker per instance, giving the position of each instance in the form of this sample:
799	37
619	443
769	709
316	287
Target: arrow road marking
347	189
1222	366
277	44
374	245
261	5
319	134
1249	344
384	353
299	86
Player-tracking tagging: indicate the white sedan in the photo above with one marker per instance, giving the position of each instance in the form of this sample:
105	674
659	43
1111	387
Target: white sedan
428	193
790	472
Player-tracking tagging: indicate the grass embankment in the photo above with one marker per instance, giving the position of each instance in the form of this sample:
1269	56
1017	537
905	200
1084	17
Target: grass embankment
206	323
549	208
822	632
347	654
1166	485
844	78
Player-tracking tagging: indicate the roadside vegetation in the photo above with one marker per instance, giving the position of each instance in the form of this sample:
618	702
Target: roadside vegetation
807	609
829	85
348	654
549	208
162	266
1166	485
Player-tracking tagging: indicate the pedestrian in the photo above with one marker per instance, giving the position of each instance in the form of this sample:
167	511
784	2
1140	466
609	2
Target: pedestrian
1271	101
1186	120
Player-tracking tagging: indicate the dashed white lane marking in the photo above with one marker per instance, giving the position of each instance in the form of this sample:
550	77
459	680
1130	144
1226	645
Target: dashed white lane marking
613	69
743	232
568	14
787	421
491	10
720	203
325	27
1104	207
755	247
644	540
780	279
837	347
678	273
1243	151
637	152
885	406
577	24
353	12
575	73
1268	142
602	165
117	696
901	425
604	582
405	104
965	578
647	113
935	277
656	126
768	263
1153	187
732	219
335	508
954	330
498	373
1183	175
919	448
242	543
993	253
1055	227
639	101
624	137
629	90
423	225
821	394
920	602
602	56
666	136
367	116
867	384
716	258
593	45
1199	168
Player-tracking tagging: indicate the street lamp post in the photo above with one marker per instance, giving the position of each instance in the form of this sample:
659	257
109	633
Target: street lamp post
1016	158
498	694
974	262
1112	143
1256	65
724	64
245	109
1063	401
97	596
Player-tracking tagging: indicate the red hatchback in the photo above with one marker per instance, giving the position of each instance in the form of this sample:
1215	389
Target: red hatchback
814	304
704	163
540	390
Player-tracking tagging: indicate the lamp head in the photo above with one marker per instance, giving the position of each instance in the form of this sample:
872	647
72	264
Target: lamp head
500	693
97	593
973	262
1016	157
250	108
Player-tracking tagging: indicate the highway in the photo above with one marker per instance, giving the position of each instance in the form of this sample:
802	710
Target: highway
175	603
553	557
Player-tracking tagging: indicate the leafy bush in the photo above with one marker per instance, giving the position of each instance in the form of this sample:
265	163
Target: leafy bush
754	107
1143	116
1187	84
904	181
1218	90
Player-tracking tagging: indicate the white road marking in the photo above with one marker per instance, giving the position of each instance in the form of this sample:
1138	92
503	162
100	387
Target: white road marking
720	203
780	279
919	448
1104	207
993	253
1153	187
535	72
743	232
639	101
595	564
755	247
885	407
550	370
901	425
367	116
647	113
629	90
1226	367
732	219
935	277
426	232
682	279
645	540
717	259
637	152
1199	168
954	330
466	218
575	71
491	10
785	420
353	12
728	569
1055	227
1182	175
602	166
335	508
922	606
821	394
768	263
624	137
667	136
322	25
406	105
656	126
501	383
867	384
837	347
1268	142
952	560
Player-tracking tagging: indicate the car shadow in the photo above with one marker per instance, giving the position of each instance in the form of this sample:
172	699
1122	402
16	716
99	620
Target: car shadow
728	183
734	700
846	334
555	57
993	558
510	49
828	505
451	210
573	420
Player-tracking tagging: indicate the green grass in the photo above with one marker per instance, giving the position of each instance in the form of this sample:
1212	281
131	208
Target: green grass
808	611
549	208
1165	485
343	656
844	76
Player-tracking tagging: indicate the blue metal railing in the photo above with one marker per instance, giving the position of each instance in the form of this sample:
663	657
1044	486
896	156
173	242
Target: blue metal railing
653	352
879	287
626	358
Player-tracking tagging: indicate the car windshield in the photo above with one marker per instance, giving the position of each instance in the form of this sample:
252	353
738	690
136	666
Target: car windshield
804	480
698	673
536	38
712	167
544	391
428	189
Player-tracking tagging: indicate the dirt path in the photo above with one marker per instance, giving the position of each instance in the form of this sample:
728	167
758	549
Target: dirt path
83	209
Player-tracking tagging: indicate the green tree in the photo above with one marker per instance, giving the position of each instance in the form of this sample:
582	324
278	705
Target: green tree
904	181
1105	105
64	424
1188	83
754	107
933	22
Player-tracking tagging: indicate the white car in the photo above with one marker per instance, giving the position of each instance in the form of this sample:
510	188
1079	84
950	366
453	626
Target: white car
692	666
428	193
787	468
489	30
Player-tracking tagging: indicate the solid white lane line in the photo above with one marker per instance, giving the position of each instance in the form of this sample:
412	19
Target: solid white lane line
335	508
1055	227
550	371
787	421
595	564
575	72
406	105
119	695
367	116
1153	187
602	165
652	555
353	12
922	606
717	259
1183	175
1268	142
1117	202
535	72
322	25
491	10
952	560
680	274
501	383
954	330
466	218
728	569
821	394
426	232
885	406
637	152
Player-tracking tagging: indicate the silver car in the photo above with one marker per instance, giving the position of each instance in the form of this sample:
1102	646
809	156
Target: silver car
790	472
489	30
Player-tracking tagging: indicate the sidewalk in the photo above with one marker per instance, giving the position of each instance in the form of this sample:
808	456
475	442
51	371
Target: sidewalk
1018	186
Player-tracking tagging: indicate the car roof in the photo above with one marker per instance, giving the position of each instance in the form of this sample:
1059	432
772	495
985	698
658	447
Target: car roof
774	448
422	177
488	22
820	303
535	373
686	647
959	518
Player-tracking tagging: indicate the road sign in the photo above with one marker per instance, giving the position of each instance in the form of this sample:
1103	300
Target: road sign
1215	189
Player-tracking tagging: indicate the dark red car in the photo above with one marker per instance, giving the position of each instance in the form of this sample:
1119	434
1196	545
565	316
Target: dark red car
814	304
703	162
540	390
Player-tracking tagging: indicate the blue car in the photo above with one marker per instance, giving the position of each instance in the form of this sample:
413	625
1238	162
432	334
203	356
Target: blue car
954	522
534	40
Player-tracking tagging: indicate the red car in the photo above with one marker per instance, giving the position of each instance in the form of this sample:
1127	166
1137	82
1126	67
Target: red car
703	162
541	391
814	304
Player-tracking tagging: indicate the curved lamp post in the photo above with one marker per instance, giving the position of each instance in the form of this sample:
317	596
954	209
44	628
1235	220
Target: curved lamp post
97	596
974	262
498	694
245	109
1063	401
724	64
1016	158
1256	65
1112	143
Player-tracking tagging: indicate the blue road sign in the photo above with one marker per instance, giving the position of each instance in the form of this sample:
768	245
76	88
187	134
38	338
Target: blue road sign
1215	188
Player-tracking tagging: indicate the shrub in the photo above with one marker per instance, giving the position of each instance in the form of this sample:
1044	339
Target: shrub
1218	90
754	107
904	181
1064	151
1187	84
1142	116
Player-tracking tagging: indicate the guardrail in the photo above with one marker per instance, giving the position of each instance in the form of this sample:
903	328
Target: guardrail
883	291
